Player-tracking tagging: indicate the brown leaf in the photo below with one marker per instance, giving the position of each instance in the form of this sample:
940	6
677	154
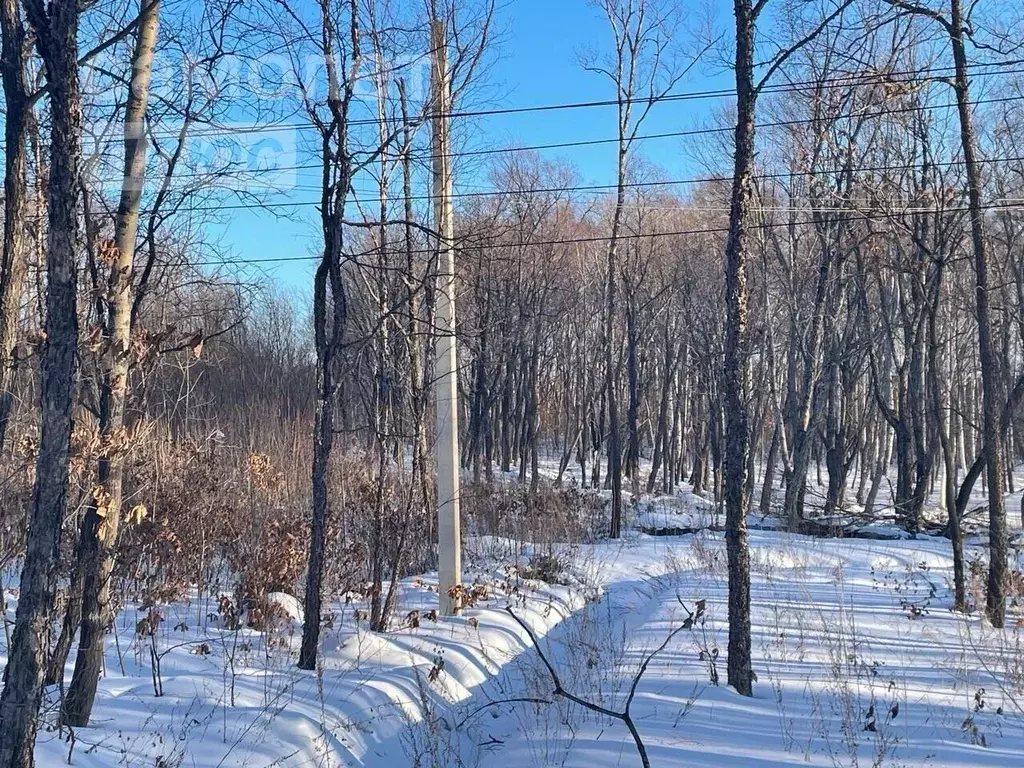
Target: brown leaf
109	253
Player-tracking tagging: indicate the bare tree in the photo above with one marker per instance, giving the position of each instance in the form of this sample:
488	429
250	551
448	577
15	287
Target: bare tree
957	26
644	68
736	376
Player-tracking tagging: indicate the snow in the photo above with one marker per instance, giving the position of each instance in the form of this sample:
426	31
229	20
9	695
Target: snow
859	662
289	605
832	638
685	512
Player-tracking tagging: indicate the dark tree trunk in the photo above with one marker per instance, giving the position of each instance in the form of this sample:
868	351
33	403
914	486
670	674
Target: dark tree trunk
503	437
769	473
328	343
330	315
662	437
611	396
12	269
69	626
953	527
68	631
736	372
633	410
56	31
991	370
802	402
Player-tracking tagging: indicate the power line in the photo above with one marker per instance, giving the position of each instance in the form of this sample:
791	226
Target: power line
598	188
852	212
849	81
593	142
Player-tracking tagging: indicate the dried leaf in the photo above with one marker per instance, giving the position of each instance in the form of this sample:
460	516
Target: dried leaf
109	253
137	514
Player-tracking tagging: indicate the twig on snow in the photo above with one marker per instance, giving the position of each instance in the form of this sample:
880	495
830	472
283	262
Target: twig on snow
624	716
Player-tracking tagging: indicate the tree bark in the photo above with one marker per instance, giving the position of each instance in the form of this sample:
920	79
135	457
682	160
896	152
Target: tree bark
737	365
991	370
56	31
330	313
610	309
12	270
103	516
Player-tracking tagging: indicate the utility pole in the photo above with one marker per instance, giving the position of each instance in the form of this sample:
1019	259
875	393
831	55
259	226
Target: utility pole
449	541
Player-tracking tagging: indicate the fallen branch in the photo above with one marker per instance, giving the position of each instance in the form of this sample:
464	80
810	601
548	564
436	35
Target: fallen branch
624	716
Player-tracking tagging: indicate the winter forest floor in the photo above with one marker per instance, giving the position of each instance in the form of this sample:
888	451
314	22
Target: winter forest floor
859	662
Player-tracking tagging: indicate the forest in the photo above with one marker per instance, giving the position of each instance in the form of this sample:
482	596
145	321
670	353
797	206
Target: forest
498	463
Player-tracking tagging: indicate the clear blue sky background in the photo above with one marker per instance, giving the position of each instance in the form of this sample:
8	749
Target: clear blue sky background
536	62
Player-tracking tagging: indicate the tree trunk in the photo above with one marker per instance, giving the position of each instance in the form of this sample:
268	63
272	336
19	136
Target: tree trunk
69	626
103	516
611	398
661	446
736	372
633	409
330	316
12	270
769	473
991	370
416	385
56	31
328	344
953	528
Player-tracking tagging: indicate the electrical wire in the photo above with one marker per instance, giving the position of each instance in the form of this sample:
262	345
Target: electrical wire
852	213
848	81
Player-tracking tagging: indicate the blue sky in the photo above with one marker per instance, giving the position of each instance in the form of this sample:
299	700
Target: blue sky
536	62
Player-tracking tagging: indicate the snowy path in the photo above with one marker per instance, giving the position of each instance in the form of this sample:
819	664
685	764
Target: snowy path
847	677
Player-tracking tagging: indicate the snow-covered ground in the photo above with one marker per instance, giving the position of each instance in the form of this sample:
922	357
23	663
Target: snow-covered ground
858	660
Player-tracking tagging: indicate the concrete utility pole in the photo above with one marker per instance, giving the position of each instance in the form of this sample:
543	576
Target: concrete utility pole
449	541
